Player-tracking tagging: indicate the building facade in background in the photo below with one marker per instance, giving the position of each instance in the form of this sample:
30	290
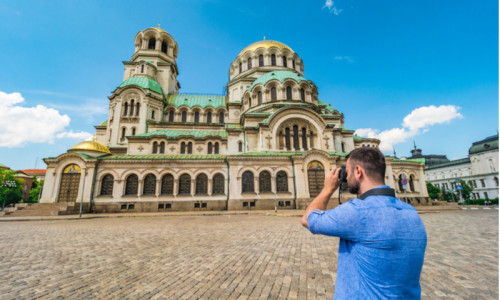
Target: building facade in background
269	140
479	170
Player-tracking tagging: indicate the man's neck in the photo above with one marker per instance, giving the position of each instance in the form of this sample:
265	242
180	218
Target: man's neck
368	186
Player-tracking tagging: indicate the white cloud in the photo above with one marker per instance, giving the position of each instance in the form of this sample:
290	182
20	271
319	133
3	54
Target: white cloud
346	58
86	106
330	5
81	135
417	122
20	125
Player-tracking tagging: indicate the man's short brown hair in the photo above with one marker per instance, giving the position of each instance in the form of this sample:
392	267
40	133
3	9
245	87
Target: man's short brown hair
372	161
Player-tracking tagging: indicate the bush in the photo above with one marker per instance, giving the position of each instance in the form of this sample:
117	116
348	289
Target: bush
481	201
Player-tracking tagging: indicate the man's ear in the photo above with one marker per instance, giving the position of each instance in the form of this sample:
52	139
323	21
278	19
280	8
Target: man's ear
358	172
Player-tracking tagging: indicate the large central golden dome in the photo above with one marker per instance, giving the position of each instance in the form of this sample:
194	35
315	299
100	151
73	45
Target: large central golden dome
90	146
266	44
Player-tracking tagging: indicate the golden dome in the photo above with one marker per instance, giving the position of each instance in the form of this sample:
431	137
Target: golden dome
267	44
90	146
158	29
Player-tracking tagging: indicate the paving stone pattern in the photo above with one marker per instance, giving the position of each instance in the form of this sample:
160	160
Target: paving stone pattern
224	257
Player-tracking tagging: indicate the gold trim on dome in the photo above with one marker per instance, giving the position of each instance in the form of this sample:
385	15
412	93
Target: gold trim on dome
265	44
92	146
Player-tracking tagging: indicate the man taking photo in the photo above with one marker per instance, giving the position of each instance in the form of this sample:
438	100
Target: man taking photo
382	239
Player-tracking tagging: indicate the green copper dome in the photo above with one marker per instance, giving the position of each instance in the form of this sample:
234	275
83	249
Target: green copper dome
488	144
280	75
142	82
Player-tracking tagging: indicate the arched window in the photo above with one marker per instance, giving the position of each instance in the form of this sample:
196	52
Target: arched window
132	107
247	184
107	185
221	117
249	63
131	185
496	180
209	148
152	43
282	181
184	117
201	184
142	68
302	95
149	185
274	97
284	61
183	148
184	184
261	60
196	116
293	64
218	184
241	67
152	114
343	147
287	139
296	137
164	47
167	184
240	147
209	117
400	183
123	132
412	186
264	182
155	147
137	109
259	97
304	138
171	116
216	148
162	147
288	93
133	131
190	148
273	60
125	108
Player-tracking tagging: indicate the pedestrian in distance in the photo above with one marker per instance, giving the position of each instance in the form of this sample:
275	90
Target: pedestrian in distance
382	239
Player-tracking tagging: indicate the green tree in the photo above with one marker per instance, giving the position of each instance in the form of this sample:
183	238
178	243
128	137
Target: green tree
434	192
35	190
466	190
10	194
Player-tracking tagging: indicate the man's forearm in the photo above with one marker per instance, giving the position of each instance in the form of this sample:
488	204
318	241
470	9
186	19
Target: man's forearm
320	202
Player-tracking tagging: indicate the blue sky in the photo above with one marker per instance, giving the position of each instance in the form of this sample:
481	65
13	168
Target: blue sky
378	62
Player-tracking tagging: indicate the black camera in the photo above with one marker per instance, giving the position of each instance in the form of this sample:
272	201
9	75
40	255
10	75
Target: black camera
343	175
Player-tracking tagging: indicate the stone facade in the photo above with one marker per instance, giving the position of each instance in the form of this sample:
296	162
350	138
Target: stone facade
268	142
479	170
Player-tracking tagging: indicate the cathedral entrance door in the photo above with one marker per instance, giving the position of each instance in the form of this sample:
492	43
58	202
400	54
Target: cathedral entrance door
70	180
316	178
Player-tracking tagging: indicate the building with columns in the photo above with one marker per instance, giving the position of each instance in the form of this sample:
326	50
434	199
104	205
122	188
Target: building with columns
269	141
479	169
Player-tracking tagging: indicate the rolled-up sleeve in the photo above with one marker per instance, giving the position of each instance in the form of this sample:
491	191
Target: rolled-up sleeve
341	222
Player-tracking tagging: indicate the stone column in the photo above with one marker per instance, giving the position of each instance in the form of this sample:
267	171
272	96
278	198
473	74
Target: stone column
176	187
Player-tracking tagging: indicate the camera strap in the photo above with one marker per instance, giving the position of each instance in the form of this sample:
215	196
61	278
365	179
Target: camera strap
378	192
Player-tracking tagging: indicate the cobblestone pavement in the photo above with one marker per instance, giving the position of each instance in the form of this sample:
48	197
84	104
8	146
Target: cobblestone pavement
224	257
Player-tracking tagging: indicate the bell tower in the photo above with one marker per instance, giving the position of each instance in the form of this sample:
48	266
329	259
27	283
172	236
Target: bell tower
155	57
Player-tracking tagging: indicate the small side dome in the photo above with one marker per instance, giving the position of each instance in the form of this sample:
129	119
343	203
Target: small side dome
90	146
266	44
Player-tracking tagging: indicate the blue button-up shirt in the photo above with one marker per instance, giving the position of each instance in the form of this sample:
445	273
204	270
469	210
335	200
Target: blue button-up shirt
381	248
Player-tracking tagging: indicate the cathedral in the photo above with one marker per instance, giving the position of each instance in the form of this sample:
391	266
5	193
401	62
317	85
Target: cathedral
266	144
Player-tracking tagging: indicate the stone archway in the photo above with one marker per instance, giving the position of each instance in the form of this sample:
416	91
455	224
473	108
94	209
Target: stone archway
70	181
316	178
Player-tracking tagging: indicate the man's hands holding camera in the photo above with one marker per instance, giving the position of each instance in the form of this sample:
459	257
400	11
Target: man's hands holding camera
334	178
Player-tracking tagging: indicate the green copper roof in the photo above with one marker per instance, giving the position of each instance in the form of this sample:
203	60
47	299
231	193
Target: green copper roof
277	75
197	134
146	61
357	137
104	123
197	100
328	107
142	82
164	157
487	144
417	160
